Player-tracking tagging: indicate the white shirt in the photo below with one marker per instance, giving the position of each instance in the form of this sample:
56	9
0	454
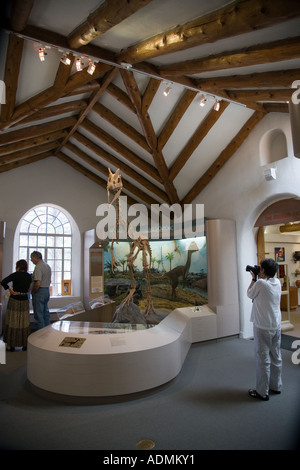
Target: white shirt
266	313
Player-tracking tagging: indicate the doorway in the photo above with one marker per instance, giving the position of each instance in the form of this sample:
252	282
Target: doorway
278	237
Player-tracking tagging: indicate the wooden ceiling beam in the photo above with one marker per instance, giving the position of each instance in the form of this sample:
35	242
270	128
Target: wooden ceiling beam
55	110
175	118
120	96
20	12
250	96
25	161
276	79
53	93
29	152
286	49
86	88
109	76
58	41
199	134
237	18
36	130
11	74
106	16
118	147
149	94
276	107
63	73
27	143
224	156
145	121
121	125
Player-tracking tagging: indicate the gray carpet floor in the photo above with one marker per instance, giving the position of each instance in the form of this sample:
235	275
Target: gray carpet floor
206	407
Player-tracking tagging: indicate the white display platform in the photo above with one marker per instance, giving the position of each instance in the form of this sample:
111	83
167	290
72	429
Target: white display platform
83	359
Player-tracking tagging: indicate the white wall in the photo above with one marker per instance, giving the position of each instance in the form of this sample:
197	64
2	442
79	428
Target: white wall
48	181
240	192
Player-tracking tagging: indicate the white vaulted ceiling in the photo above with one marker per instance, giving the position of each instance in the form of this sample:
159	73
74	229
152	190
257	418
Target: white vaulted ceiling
245	54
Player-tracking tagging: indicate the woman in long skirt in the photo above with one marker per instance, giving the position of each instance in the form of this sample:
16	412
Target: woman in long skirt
17	319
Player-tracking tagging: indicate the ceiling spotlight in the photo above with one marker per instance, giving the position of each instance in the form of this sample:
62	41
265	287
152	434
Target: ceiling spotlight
126	65
65	59
167	90
42	54
203	101
91	68
217	105
78	64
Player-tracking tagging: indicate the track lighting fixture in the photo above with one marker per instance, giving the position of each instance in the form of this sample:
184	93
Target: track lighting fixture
42	54
78	64
125	65
203	101
217	105
91	68
167	90
65	59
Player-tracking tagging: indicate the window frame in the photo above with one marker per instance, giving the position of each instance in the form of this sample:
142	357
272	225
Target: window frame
53	223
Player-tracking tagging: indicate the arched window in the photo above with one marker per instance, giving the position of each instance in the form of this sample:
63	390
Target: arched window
48	230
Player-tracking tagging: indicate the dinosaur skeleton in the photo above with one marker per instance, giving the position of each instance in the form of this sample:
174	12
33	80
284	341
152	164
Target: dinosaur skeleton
139	244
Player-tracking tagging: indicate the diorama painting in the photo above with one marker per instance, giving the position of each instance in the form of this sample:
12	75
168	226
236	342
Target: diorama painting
178	274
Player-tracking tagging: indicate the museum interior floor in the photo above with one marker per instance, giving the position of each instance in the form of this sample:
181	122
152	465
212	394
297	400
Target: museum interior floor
206	407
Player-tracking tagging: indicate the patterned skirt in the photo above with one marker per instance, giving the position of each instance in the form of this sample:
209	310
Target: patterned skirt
17	323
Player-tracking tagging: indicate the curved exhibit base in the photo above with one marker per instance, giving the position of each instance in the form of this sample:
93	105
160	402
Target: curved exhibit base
84	359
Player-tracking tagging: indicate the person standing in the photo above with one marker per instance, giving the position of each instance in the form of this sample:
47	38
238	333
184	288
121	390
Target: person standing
265	293
17	318
40	291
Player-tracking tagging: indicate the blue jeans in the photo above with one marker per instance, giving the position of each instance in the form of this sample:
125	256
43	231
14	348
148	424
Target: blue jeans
41	312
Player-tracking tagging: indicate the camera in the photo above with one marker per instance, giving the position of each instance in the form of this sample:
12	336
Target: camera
255	269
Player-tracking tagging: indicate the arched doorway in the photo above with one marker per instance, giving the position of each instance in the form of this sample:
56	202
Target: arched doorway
278	237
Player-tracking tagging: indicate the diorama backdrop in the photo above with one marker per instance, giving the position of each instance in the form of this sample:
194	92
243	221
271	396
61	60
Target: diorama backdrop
178	276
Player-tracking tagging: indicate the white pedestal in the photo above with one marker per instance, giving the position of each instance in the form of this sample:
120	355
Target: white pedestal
110	361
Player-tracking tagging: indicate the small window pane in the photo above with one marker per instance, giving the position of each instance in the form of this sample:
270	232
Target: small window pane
23	253
67	253
67	229
52	211
63	218
50	241
41	241
43	228
33	228
51	264
67	265
32	240
50	228
58	265
68	241
24	226
23	240
58	253
59	241
30	216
